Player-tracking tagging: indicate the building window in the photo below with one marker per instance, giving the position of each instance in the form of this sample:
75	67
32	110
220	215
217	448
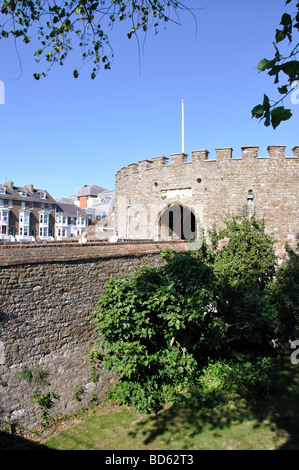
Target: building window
10	204
43	224
43	195
24	222
5	216
1	203
2	190
43	231
31	205
50	207
22	205
24	217
44	218
23	193
42	206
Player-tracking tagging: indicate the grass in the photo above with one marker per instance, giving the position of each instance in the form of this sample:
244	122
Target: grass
269	424
174	428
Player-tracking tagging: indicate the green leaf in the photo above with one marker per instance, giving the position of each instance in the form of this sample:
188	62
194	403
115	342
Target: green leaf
265	64
280	35
267	119
266	104
275	71
76	73
279	114
291	69
257	111
283	89
286	19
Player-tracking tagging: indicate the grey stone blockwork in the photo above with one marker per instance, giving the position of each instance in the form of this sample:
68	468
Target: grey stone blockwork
149	192
46	326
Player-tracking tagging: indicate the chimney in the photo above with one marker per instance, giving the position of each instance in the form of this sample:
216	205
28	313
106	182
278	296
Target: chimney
9	184
29	187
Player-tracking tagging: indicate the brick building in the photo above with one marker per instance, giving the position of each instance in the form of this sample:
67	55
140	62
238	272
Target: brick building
26	213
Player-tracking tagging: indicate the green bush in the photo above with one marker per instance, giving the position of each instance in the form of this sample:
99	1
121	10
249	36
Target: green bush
201	324
154	324
243	376
285	298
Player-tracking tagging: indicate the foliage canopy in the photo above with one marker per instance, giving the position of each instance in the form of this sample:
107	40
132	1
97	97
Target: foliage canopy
60	26
57	27
283	64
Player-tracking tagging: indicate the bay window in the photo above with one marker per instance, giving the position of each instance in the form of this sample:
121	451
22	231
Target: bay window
4	222
24	223
43	224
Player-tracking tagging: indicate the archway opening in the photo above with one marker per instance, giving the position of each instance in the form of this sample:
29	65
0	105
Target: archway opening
177	222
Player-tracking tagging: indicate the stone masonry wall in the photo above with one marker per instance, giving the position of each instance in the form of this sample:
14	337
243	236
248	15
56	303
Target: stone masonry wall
212	189
47	295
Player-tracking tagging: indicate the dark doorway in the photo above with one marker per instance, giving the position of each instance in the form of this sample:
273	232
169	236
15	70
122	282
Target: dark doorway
177	222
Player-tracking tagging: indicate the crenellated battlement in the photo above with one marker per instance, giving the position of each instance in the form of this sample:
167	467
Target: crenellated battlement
155	198
249	152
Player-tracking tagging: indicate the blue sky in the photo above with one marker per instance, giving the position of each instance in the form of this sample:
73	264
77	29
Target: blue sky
60	133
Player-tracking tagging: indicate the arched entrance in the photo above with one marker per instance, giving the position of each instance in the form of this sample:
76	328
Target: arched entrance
177	222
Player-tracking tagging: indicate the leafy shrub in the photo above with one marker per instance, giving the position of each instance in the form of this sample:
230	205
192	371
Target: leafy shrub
241	377
154	322
284	298
199	326
243	271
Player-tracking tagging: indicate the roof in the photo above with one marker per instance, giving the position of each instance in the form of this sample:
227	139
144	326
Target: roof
67	200
90	190
32	196
71	210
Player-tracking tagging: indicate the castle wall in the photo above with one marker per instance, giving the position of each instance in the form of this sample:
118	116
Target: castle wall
47	295
212	189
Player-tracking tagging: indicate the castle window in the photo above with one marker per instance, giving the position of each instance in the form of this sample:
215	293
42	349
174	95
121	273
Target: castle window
250	203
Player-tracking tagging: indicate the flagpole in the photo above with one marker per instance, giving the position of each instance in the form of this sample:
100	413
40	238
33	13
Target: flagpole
183	137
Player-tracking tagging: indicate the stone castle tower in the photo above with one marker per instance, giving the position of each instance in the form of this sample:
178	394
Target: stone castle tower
181	200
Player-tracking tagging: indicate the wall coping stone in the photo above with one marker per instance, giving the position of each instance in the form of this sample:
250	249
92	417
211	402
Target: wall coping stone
12	254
